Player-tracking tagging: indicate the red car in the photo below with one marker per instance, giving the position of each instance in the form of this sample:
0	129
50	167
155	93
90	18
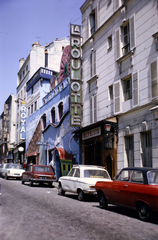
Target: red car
38	174
136	188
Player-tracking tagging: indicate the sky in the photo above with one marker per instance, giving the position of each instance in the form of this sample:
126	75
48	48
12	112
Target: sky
23	22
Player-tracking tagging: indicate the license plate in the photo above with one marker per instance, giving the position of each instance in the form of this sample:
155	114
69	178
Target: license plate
43	178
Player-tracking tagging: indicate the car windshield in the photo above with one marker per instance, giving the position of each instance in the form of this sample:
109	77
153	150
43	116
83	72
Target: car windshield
42	169
152	177
14	166
95	173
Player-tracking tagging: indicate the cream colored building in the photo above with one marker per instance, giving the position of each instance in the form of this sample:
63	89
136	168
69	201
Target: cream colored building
120	74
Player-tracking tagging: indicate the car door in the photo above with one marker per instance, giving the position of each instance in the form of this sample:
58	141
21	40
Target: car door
135	188
119	189
67	181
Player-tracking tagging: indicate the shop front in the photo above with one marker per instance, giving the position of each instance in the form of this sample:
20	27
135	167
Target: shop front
99	145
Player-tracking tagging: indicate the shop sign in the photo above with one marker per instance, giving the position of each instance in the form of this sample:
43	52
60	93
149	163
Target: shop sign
23	120
75	75
91	133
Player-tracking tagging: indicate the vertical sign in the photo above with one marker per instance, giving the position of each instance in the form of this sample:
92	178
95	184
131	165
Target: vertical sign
75	75
23	120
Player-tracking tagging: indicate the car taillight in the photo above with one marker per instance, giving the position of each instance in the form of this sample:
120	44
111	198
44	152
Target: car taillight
36	176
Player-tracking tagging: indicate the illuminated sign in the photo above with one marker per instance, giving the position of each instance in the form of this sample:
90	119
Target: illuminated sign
23	120
75	75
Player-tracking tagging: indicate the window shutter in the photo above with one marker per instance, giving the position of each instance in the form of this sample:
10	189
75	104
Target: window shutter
95	108
94	62
154	85
96	17
117	41
91	68
132	32
91	110
117	104
135	89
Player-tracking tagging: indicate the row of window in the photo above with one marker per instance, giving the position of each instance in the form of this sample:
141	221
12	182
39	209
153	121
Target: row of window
32	108
92	23
53	115
56	91
33	89
24	72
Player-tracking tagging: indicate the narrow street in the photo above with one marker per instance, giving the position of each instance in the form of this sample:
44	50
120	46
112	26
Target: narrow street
40	213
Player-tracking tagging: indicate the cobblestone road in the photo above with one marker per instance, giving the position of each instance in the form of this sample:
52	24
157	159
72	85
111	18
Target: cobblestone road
30	213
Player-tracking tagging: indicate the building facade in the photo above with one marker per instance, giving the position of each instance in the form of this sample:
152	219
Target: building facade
47	59
7	130
49	135
120	75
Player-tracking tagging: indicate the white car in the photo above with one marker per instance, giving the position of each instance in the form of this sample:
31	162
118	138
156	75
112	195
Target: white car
12	170
82	179
2	168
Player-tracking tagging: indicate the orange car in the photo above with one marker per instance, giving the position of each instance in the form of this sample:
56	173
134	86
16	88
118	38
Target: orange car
136	188
38	174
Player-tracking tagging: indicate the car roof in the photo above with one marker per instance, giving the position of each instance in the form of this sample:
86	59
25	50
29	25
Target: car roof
88	166
143	169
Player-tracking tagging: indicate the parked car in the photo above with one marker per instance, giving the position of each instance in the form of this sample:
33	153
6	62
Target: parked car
38	174
81	180
2	168
136	188
12	170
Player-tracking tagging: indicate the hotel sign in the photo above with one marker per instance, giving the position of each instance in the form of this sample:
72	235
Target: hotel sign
23	120
75	75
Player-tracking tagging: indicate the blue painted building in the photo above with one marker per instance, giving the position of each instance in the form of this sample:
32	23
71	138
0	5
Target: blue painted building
49	136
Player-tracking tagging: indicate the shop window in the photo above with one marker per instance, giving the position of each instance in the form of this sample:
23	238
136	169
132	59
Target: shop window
53	115
60	110
43	121
31	108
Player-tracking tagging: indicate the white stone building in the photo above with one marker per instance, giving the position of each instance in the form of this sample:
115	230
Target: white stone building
120	74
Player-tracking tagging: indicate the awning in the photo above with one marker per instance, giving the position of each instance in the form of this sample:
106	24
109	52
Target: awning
63	154
31	154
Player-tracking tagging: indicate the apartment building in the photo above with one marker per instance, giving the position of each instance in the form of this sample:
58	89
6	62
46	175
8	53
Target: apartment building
120	82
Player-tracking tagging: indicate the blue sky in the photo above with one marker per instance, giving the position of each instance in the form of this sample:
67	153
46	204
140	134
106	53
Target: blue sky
23	22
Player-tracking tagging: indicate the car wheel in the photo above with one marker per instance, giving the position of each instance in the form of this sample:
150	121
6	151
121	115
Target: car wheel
6	177
31	183
102	201
80	195
60	190
143	211
22	181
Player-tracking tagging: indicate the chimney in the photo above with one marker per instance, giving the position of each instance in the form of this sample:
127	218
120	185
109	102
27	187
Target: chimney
21	62
56	39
